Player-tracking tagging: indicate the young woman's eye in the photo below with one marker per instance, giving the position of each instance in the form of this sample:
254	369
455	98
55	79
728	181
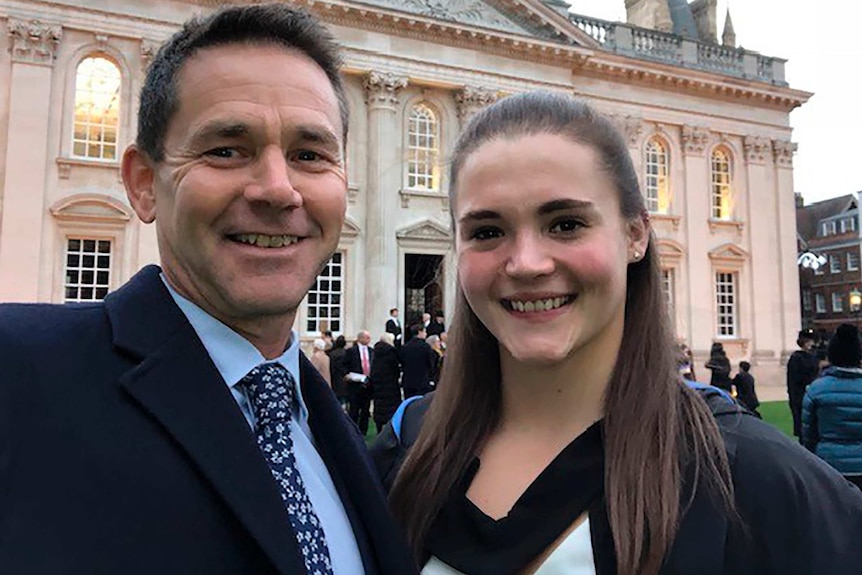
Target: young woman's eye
486	233
567	225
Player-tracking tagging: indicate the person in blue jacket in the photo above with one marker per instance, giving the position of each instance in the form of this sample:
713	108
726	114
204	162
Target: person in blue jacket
832	407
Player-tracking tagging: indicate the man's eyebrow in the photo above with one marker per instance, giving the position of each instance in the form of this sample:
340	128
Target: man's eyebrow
220	130
317	135
563	204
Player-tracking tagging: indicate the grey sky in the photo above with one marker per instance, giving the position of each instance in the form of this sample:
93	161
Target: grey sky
823	45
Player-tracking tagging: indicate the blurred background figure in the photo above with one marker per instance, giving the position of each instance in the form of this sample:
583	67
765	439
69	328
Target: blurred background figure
359	359
436	327
745	393
320	360
802	368
393	326
434	343
385	375
338	369
418	361
719	365
832	407
686	363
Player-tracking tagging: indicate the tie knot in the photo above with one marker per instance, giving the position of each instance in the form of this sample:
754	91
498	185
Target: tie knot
270	391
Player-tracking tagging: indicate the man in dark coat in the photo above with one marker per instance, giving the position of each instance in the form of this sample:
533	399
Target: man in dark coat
436	327
393	326
419	362
136	433
385	376
744	384
802	368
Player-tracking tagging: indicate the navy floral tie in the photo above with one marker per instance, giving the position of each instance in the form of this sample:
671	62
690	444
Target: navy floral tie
271	391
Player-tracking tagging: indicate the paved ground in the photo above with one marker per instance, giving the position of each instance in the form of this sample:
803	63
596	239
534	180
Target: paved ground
771	392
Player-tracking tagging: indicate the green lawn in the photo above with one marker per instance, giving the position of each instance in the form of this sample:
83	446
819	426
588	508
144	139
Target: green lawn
778	414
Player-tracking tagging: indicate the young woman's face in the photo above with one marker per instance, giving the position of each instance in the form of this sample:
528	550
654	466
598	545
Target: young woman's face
542	247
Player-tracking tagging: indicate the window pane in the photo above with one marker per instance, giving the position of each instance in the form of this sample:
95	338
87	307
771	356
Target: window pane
96	117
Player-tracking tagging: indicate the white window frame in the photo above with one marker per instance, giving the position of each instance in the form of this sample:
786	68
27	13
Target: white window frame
834	264
852	261
727	304
819	303
721	184
668	286
320	300
97	129
837	302
423	148
657	176
78	251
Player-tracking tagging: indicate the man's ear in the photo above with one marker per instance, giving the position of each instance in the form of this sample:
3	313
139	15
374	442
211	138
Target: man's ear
138	178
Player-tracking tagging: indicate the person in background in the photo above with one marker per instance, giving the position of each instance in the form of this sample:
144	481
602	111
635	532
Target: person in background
338	369
326	336
802	368
561	438
744	384
436	327
433	342
686	363
418	361
719	365
385	376
320	360
393	326
832	407
176	427
358	360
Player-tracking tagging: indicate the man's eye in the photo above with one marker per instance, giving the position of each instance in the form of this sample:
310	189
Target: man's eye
227	153
486	233
308	156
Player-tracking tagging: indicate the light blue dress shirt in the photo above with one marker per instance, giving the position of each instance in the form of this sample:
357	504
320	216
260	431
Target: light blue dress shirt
234	356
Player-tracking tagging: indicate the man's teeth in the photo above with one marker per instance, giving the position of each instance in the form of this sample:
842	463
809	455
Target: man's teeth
539	305
263	241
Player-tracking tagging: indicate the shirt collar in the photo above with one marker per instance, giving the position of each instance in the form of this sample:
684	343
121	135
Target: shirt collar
233	355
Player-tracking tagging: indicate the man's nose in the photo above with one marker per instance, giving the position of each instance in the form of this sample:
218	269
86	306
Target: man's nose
273	181
530	256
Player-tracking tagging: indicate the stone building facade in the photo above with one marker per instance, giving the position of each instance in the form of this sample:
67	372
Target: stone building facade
707	126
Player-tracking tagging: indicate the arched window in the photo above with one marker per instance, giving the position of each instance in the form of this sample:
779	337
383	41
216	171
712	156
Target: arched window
97	109
657	182
423	148
722	193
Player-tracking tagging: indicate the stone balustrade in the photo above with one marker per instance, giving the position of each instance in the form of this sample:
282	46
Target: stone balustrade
673	49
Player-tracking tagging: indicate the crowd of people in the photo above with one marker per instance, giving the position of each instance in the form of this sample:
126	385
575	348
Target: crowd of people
371	381
176	427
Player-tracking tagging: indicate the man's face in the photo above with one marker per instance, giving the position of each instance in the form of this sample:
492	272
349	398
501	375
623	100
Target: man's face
250	197
426	317
364	338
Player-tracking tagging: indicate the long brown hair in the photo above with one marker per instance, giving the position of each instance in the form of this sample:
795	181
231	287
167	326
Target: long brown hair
655	428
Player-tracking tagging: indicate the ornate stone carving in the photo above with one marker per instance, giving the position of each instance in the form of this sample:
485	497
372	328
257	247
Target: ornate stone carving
382	88
756	149
34	42
782	152
471	99
630	127
148	51
694	139
472	12
426	230
102	41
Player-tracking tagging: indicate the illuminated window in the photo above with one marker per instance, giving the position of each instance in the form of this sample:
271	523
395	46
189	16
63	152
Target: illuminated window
88	269
726	304
97	109
423	148
657	181
667	285
837	302
722	196
324	307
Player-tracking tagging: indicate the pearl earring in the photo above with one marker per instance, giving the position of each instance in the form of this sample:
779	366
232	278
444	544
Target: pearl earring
637	256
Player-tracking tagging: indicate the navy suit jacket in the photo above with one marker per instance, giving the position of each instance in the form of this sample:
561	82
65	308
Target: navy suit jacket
123	451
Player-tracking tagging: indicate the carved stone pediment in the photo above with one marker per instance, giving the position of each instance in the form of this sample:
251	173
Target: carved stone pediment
470	12
426	230
350	229
670	250
91	207
728	253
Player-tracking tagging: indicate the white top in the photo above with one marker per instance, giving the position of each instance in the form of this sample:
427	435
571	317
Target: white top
573	556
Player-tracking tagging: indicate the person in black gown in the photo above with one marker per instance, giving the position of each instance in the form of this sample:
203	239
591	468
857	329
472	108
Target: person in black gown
561	435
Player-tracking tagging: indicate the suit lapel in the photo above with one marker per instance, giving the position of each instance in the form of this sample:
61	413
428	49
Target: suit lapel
179	386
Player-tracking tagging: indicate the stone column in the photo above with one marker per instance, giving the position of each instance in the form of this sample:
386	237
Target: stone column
471	99
701	323
381	197
782	153
34	44
764	289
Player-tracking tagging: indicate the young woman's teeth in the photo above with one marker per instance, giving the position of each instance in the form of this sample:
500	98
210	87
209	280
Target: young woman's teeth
263	241
538	305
